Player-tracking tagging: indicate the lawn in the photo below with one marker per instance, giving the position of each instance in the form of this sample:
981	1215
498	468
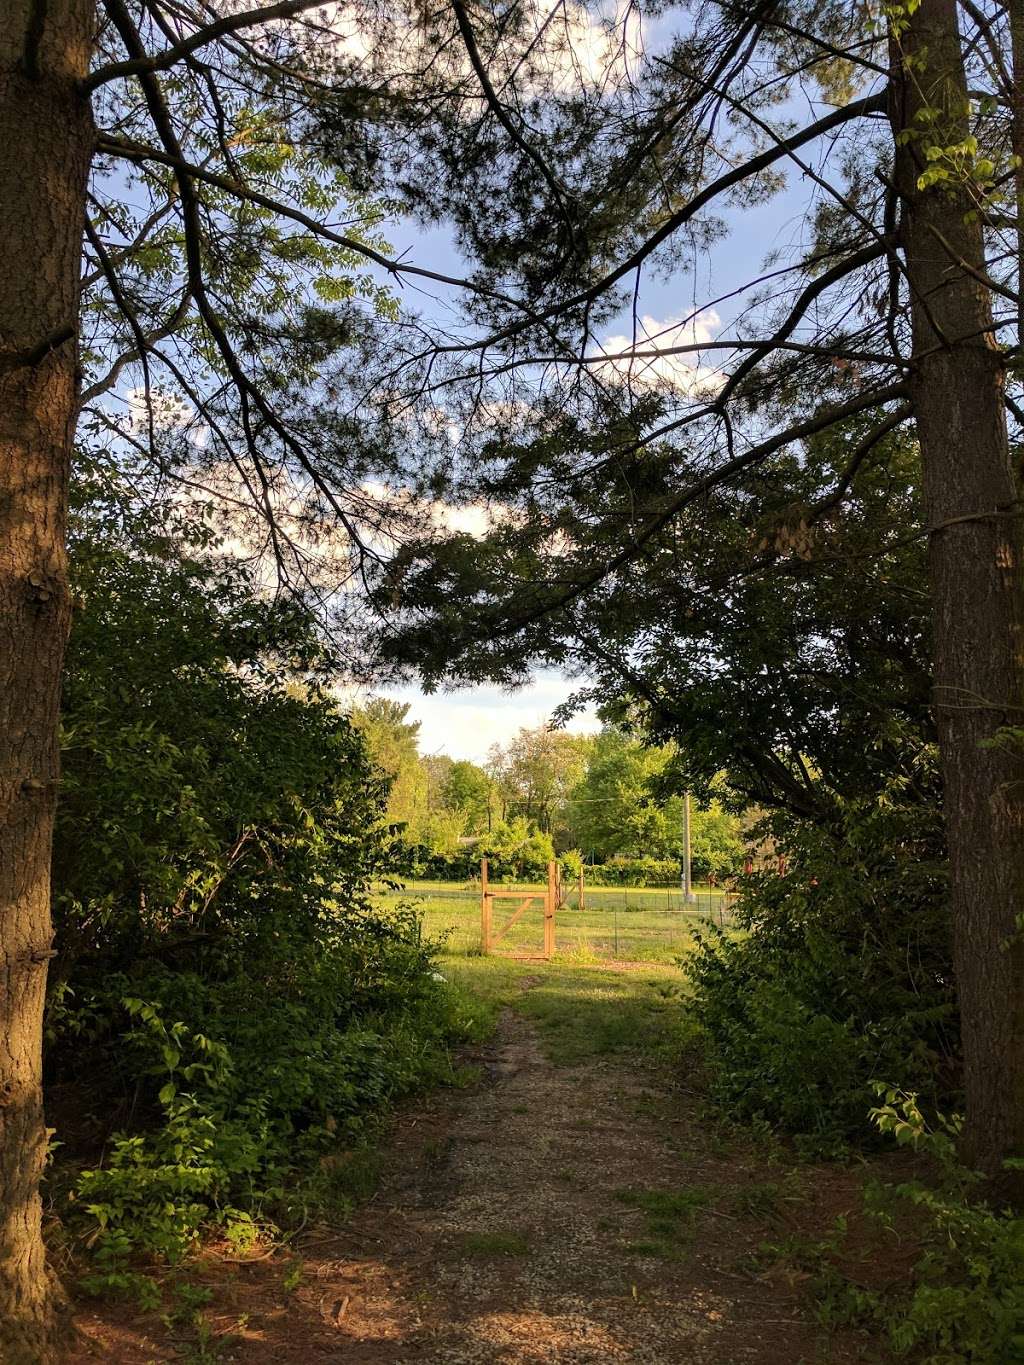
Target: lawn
580	1011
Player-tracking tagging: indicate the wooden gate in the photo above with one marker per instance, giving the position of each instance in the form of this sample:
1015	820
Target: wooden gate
549	899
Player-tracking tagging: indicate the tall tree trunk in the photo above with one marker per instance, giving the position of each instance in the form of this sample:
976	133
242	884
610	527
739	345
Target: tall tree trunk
1016	93
975	528
45	144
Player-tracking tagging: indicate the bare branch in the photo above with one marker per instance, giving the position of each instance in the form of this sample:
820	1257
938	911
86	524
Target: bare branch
230	23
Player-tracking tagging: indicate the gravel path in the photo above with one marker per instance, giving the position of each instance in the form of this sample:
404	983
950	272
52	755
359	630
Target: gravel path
574	1214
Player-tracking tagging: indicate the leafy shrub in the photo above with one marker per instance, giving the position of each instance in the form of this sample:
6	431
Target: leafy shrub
571	864
237	1110
842	975
228	1005
212	792
964	1301
635	872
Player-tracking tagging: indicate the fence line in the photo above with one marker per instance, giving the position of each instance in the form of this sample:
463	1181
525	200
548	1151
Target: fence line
628	924
709	902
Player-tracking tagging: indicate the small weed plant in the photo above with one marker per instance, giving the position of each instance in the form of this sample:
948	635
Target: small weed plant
669	1217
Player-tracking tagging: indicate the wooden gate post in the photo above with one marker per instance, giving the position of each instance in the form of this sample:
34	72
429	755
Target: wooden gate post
580	906
549	910
486	905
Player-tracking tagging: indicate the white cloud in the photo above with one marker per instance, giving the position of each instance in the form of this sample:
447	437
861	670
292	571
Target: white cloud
475	518
588	46
647	361
556	47
465	724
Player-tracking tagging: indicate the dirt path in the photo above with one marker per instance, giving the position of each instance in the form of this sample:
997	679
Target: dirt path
576	1214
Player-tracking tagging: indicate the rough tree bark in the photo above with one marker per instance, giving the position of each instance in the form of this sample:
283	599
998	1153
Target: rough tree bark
972	508
45	144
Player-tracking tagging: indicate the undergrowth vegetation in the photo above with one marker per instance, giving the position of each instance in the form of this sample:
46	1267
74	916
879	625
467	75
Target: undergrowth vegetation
960	1300
842	976
966	1298
831	1018
230	1009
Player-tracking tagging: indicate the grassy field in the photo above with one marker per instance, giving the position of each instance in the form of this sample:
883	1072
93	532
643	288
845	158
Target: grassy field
620	925
581	1010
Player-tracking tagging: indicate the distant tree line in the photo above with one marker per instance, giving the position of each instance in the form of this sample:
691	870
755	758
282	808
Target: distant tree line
607	798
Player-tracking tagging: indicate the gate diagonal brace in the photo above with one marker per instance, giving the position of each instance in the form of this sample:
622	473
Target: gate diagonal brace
525	905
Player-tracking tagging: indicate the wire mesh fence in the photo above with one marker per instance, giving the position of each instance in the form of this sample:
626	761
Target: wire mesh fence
625	924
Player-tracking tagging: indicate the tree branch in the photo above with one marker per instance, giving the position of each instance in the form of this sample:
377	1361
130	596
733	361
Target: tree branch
501	114
230	23
139	152
755	455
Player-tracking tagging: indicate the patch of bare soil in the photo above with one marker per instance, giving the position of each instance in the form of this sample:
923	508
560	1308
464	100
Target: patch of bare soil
514	1225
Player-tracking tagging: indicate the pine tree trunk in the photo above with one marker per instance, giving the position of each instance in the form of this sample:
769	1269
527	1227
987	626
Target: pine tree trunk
45	145
975	557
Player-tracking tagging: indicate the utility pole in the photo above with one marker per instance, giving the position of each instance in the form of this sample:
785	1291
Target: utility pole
688	895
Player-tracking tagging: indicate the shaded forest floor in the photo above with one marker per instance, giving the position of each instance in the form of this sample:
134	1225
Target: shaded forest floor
573	1203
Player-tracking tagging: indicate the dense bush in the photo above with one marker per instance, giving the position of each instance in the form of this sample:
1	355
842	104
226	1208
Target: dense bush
212	791
634	872
239	1083
227	1003
515	851
842	975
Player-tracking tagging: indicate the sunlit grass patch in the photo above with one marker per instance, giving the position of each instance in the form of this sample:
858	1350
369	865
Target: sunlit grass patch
581	1011
584	1013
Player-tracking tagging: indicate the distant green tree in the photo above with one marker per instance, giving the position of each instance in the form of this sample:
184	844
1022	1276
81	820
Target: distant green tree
436	767
393	744
440	832
622	808
469	789
613	810
535	774
716	843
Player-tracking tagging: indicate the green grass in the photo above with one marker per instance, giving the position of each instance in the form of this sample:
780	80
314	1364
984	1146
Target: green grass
583	1014
669	1217
641	929
493	1244
580	1012
596	897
